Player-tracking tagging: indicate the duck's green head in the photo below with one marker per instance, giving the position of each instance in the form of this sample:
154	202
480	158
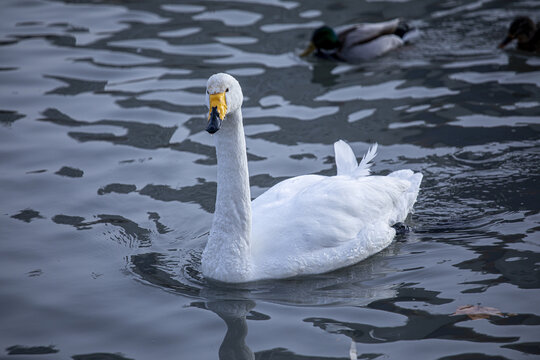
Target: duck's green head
323	38
522	29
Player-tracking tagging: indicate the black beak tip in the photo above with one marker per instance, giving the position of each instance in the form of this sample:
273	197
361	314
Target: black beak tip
214	122
212	129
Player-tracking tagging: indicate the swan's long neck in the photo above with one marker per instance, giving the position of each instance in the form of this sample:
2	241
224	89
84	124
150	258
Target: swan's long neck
227	253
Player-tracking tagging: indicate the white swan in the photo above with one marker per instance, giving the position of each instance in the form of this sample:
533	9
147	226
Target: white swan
304	225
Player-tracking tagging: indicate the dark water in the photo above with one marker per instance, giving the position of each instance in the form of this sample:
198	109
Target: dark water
107	180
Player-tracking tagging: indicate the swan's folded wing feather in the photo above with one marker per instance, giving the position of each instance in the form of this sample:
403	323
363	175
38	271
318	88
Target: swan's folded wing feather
327	212
284	190
345	160
365	163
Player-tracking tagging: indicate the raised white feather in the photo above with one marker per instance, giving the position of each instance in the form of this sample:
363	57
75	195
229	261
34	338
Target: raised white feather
304	225
346	161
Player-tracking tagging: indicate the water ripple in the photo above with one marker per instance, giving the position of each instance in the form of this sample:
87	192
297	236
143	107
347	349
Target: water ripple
230	17
108	177
501	77
487	121
386	90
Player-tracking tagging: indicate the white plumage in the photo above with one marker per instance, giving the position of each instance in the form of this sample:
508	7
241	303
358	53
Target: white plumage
304	225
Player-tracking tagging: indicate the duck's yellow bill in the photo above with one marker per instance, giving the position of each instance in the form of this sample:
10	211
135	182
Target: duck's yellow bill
218	101
311	48
505	42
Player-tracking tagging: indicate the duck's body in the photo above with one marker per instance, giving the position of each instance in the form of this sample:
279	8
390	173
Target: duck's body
304	225
526	32
358	42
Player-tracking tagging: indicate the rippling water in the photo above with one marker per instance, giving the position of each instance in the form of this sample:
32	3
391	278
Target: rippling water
108	180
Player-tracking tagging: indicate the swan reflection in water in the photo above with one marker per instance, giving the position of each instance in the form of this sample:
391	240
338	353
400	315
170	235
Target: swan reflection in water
365	286
235	303
419	325
234	313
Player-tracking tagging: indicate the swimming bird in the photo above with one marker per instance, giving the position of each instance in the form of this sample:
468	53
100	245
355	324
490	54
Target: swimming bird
357	42
526	32
303	225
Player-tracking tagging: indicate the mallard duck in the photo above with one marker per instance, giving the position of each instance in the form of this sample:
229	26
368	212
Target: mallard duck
357	42
526	32
303	225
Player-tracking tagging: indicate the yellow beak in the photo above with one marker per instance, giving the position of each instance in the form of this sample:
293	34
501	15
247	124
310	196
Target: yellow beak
218	101
216	114
311	47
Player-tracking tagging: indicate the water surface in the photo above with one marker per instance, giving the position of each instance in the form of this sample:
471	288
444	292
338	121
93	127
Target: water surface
108	180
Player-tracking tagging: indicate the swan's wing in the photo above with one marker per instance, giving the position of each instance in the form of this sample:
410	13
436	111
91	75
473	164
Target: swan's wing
327	213
359	33
285	190
329	223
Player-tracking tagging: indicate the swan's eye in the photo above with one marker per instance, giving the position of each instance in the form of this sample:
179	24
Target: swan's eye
227	90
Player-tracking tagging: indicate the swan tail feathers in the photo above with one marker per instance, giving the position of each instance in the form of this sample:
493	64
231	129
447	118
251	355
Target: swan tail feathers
410	195
414	178
346	160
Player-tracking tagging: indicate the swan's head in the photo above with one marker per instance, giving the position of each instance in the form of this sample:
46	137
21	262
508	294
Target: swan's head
224	96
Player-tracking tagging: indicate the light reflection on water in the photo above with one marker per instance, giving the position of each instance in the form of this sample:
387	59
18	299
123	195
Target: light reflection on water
108	179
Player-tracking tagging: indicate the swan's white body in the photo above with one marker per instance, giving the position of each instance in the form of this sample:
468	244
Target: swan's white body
304	225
